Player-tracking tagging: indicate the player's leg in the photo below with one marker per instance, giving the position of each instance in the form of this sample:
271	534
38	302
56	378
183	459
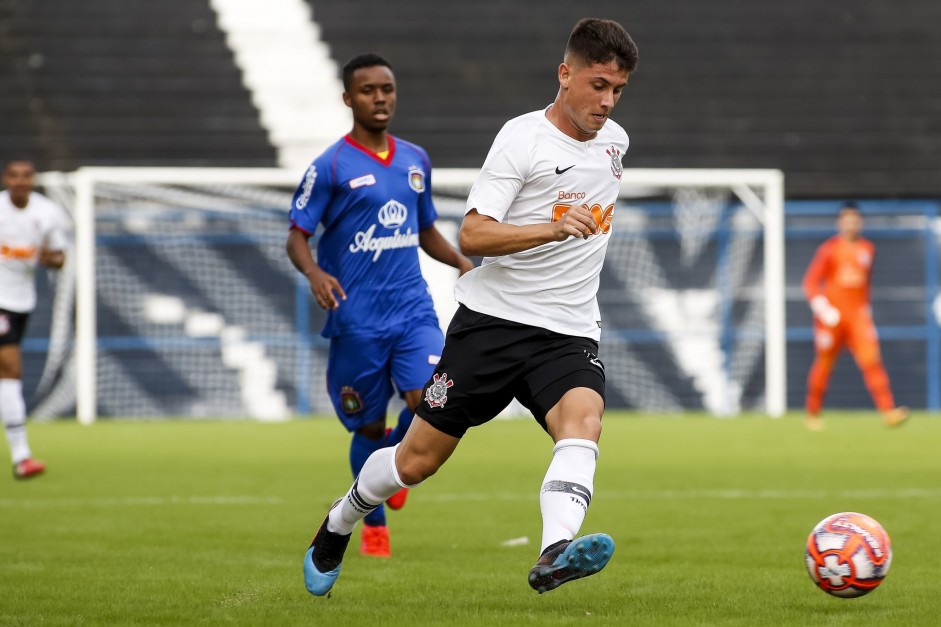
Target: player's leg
12	403
864	345
828	342
414	357
360	388
570	409
423	450
457	398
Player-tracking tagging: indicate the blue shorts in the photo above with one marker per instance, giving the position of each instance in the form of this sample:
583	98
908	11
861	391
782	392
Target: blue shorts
362	370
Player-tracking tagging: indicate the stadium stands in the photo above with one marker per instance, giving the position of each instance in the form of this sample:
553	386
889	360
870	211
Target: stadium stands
842	95
120	82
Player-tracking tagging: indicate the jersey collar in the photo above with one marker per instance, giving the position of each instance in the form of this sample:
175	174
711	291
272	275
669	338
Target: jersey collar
355	144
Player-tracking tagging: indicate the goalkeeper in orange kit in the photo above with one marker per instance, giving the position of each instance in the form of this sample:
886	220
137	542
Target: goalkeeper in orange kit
837	287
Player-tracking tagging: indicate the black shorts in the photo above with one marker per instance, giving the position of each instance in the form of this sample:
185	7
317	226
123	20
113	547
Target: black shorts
488	361
12	326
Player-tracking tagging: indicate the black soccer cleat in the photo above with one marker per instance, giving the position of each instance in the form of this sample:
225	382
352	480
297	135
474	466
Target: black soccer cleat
570	559
323	560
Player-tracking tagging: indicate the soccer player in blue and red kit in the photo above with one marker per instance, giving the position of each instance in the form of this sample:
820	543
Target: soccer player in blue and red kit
372	194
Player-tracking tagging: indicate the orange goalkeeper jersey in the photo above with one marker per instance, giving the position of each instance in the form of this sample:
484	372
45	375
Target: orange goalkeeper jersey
840	271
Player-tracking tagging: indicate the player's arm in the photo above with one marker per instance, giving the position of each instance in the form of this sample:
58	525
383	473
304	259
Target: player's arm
482	235
51	258
814	280
439	249
325	287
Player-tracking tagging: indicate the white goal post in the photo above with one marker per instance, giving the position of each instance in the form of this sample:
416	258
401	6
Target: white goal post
754	198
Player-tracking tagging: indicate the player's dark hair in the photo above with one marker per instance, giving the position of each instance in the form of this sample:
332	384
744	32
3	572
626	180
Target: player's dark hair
595	40
17	159
369	59
850	205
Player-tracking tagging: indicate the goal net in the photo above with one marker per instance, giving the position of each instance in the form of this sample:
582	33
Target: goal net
186	304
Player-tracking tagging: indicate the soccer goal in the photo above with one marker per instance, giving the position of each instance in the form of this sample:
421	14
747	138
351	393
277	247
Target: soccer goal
186	304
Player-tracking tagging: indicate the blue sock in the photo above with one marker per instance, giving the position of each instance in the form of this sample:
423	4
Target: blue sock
405	419
360	449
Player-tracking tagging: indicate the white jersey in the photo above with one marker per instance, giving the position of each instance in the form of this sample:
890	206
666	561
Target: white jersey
533	174
23	232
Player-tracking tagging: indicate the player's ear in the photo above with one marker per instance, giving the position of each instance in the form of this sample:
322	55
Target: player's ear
347	100
565	74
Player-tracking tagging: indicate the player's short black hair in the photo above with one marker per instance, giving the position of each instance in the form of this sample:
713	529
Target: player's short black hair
369	59
850	205
595	40
17	159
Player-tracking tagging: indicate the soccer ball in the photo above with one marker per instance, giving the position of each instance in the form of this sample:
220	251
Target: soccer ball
848	555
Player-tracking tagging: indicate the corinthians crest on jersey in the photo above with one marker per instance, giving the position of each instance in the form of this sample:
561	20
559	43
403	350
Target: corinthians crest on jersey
616	168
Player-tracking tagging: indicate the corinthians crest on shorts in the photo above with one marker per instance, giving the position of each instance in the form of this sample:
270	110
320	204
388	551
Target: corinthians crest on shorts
437	393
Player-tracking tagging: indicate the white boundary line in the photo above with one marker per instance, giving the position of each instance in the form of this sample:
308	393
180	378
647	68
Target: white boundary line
630	495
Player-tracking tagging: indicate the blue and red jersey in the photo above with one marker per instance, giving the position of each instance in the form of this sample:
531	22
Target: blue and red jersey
372	210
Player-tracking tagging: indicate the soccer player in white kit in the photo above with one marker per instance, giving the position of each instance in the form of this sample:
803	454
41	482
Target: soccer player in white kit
32	233
528	325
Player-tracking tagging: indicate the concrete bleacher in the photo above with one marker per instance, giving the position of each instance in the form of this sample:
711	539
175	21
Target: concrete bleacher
123	82
842	95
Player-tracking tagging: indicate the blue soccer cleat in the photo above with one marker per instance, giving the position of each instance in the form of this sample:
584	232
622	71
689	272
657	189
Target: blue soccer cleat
323	560
571	559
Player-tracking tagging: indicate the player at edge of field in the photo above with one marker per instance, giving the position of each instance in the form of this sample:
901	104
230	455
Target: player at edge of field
372	194
32	233
528	323
837	285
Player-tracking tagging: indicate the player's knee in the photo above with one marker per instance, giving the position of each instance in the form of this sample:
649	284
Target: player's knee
413	471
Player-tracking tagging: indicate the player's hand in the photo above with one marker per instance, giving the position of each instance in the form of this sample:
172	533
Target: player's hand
464	265
825	312
326	289
51	258
576	222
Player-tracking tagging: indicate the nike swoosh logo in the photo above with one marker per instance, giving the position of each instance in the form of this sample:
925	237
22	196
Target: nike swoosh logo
558	171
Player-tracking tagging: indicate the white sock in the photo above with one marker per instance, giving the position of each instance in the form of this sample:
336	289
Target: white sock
566	490
377	481
13	414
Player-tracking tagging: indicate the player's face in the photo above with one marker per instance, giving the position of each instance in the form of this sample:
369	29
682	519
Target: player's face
18	178
589	94
850	224
372	97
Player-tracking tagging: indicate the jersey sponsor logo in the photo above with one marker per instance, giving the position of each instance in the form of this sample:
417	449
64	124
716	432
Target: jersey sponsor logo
559	170
864	258
616	168
416	178
436	395
17	252
393	214
307	187
363	181
602	217
563	195
350	400
364	241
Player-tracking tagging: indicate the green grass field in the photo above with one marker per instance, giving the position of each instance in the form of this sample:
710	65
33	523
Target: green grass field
206	523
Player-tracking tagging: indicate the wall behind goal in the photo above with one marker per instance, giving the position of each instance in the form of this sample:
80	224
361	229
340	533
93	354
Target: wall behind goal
200	314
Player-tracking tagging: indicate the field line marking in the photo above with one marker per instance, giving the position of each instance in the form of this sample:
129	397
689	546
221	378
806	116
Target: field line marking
144	500
764	494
